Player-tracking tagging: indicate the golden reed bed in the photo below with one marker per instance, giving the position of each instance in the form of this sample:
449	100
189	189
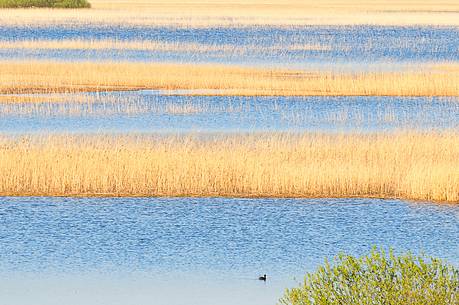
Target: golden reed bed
42	76
409	165
209	13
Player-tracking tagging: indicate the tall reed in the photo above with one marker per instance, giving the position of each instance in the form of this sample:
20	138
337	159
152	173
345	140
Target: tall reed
409	165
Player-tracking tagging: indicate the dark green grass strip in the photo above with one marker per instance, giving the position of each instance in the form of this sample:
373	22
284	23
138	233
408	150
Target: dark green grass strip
45	3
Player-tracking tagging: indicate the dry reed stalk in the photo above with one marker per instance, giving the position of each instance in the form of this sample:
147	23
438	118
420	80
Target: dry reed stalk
30	99
409	165
82	104
209	13
148	45
49	77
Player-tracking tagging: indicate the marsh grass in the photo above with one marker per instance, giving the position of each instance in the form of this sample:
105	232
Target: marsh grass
88	104
149	45
378	278
211	13
245	110
48	76
410	165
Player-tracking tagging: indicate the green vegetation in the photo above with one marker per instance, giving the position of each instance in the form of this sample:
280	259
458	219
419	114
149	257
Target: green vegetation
45	3
378	278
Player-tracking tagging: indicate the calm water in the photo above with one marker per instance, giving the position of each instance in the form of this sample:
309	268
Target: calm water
150	113
346	47
197	251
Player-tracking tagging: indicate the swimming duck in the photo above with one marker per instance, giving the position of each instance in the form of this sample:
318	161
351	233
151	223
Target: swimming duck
262	278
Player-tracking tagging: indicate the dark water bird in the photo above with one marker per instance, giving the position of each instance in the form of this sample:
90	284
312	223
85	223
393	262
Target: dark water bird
262	278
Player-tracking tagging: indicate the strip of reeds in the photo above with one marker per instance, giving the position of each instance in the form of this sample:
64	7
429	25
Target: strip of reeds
148	45
43	76
82	104
210	13
410	165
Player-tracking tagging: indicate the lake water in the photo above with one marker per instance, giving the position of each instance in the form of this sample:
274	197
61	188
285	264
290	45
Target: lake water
150	112
342	48
197	251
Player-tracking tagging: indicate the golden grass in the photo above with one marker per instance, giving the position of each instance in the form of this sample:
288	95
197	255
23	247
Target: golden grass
374	5
42	76
448	67
409	165
147	45
30	99
205	13
82	104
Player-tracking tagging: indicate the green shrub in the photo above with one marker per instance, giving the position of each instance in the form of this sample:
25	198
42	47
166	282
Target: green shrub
377	279
45	3
72	4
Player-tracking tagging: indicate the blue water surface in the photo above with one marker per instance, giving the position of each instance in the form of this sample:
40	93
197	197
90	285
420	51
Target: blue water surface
200	246
351	47
147	112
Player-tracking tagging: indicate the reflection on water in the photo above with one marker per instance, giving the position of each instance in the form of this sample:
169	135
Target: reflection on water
149	111
202	250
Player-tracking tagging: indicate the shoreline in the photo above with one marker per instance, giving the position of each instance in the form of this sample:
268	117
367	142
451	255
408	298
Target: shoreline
232	196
